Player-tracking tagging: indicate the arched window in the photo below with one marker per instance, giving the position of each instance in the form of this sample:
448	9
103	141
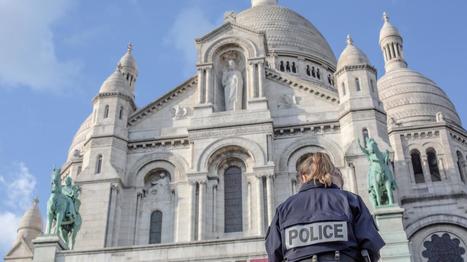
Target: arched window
318	74
308	70
106	111
313	72
461	165
120	114
417	166
99	164
233	211
343	89
155	229
433	165
281	66
287	66
365	134
294	67
357	84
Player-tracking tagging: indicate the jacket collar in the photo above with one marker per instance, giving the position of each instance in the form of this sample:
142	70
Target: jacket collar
313	184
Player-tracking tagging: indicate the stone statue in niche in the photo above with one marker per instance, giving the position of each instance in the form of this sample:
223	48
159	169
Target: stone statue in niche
232	82
160	186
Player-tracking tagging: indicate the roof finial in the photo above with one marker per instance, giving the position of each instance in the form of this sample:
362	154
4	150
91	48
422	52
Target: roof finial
130	47
349	40
386	16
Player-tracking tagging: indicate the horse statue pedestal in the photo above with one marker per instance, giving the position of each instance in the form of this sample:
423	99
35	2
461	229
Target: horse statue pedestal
389	221
46	248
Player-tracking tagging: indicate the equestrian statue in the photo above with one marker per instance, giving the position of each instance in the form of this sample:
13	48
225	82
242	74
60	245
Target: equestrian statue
63	218
381	182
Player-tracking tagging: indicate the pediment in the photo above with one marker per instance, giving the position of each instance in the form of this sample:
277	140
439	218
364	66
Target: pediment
20	249
163	102
227	28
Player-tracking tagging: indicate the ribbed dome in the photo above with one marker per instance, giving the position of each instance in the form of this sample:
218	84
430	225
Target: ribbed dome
352	55
30	225
411	99
388	29
287	31
116	83
128	62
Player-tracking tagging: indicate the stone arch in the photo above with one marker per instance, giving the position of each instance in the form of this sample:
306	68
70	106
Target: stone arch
251	50
254	150
173	163
433	220
310	142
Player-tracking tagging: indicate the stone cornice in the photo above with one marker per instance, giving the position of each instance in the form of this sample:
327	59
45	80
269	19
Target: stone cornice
314	128
160	142
161	102
117	94
402	130
319	89
356	68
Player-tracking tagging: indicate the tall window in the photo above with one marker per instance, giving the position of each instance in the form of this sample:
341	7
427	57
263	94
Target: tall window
155	230
372	84
233	211
120	114
99	164
365	134
343	89
357	84
433	165
461	165
417	167
106	111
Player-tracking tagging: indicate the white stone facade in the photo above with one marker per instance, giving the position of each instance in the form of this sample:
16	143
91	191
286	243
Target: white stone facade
172	155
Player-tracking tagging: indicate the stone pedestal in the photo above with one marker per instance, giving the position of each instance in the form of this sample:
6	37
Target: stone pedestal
46	248
203	110
258	104
389	221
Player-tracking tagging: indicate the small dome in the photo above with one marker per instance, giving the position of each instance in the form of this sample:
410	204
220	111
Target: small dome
352	55
410	98
388	29
31	222
80	137
128	62
116	83
287	31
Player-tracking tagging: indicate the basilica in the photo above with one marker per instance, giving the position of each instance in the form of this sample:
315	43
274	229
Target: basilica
196	174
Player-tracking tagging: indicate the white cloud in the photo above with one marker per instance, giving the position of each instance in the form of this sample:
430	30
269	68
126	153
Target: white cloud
190	24
27	50
20	187
17	186
9	222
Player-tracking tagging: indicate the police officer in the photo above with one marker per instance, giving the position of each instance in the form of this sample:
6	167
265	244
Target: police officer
322	222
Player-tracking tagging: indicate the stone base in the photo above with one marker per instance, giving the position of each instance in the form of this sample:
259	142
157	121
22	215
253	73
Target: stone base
46	248
258	104
389	221
203	110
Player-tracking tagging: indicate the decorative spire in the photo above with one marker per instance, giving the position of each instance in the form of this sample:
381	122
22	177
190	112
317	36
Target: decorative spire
349	40
130	47
386	17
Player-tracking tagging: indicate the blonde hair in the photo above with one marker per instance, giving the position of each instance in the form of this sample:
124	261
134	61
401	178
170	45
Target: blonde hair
317	167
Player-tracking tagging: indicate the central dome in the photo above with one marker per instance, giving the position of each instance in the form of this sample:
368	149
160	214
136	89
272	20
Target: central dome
287	31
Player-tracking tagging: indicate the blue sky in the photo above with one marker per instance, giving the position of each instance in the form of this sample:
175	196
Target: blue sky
55	54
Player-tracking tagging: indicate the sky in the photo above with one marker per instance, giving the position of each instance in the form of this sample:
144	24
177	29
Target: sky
55	54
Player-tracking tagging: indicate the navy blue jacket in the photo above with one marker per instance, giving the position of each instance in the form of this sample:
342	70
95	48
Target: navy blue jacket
315	203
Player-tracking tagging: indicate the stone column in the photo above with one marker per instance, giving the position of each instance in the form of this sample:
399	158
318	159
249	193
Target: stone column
209	84
193	209
201	209
353	179
270	197
252	82
259	205
261	76
389	220
201	86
